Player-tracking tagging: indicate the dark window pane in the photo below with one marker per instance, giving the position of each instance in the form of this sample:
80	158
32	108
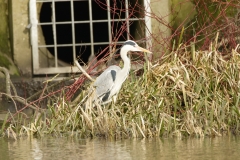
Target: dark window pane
137	29
81	10
99	10
64	33
63	11
100	32
83	53
119	30
82	33
117	9
65	54
46	12
101	50
47	31
136	8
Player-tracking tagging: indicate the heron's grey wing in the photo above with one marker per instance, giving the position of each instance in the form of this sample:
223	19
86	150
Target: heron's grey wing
105	82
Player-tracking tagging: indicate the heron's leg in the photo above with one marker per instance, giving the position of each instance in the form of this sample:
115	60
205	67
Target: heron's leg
105	102
115	98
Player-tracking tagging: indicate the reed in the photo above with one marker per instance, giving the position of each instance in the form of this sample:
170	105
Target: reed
183	94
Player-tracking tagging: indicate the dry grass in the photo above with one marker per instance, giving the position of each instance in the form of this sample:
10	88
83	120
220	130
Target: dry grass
184	94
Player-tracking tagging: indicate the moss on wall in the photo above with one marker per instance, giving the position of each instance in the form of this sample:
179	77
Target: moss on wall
203	19
4	62
183	13
5	51
4	31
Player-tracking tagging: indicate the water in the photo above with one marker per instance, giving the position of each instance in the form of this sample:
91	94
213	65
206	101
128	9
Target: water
89	149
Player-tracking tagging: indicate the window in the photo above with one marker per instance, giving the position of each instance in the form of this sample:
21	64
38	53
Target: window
62	30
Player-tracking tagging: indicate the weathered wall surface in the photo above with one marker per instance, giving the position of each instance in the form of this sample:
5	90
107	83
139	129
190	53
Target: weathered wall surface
168	15
20	35
182	13
4	32
160	31
5	49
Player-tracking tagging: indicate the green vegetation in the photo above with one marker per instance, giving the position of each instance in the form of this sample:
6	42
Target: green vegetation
4	62
4	33
8	64
184	94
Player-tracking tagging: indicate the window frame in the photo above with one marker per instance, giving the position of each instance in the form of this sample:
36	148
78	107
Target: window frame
69	69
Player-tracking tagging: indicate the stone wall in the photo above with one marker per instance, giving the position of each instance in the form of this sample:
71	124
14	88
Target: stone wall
161	18
4	32
5	49
20	35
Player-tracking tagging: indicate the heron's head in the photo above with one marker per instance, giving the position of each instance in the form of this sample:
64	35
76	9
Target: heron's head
133	46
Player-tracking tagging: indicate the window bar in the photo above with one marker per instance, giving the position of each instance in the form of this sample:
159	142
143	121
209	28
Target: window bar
127	18
109	26
94	21
78	44
54	33
73	32
91	26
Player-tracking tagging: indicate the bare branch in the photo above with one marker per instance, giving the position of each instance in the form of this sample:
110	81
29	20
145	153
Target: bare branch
83	71
21	100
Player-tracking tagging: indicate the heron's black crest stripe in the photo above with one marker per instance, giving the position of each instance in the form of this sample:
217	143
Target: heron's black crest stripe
113	73
106	96
130	43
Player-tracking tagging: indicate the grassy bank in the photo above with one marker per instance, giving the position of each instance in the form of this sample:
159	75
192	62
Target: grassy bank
184	94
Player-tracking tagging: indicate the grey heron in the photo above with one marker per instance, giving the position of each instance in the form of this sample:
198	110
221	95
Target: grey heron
109	83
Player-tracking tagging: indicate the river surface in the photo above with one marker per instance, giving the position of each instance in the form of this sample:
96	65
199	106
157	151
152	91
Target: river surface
100	149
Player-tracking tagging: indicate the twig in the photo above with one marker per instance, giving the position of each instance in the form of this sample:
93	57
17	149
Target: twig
75	101
49	80
21	100
83	71
9	83
13	88
53	85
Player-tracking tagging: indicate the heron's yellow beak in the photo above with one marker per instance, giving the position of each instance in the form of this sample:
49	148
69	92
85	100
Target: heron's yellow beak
143	49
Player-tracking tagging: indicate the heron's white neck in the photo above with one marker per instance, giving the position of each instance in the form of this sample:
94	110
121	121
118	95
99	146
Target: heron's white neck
126	61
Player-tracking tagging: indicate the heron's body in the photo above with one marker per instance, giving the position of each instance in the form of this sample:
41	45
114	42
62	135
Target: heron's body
109	83
103	90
